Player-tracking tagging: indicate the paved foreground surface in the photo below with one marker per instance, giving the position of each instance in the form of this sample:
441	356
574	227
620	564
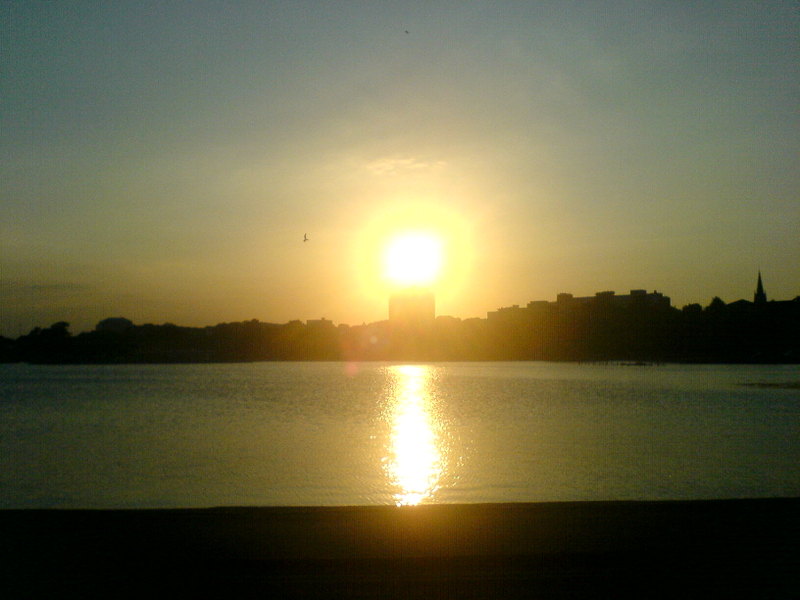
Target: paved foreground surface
697	549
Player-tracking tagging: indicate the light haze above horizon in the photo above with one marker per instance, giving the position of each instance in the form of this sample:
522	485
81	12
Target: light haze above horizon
164	161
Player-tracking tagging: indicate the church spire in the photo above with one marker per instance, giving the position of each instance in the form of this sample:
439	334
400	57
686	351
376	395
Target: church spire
760	297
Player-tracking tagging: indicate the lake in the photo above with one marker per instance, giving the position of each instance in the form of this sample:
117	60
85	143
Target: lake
140	436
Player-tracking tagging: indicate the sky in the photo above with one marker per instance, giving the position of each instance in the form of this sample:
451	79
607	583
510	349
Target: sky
162	161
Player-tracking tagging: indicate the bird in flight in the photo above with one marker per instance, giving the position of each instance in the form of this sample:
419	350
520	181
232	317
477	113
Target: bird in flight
305	237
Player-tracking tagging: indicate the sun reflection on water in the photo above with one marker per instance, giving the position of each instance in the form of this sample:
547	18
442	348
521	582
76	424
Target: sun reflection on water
415	461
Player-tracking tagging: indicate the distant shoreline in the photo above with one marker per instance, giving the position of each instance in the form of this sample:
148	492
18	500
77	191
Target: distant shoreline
601	330
618	363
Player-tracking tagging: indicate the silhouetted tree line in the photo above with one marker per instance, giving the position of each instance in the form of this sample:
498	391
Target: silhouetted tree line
740	332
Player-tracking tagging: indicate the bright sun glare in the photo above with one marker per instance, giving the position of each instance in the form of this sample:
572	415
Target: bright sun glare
413	259
413	244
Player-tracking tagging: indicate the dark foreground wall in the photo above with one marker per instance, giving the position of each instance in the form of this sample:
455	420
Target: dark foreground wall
715	549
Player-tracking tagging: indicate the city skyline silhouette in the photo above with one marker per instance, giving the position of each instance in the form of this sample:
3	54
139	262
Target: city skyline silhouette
639	326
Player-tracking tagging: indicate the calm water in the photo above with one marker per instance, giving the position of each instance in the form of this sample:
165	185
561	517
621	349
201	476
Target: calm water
333	434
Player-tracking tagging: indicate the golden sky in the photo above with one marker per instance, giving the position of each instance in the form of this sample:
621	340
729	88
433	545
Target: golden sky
163	161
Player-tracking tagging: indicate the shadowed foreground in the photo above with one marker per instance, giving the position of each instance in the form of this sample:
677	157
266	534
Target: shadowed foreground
705	549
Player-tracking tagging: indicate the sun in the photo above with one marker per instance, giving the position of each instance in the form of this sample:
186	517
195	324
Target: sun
413	258
413	244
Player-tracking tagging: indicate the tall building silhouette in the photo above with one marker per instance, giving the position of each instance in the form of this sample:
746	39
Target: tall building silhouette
760	297
415	307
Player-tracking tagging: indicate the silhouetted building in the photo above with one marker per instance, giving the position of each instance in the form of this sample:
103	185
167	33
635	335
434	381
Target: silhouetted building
412	307
319	324
506	314
760	297
637	298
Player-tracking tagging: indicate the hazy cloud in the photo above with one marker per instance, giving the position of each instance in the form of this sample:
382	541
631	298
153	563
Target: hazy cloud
397	165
